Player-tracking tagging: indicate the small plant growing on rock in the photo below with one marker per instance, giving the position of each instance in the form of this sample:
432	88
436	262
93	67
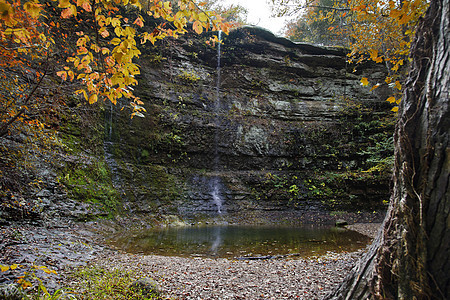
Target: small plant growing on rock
190	77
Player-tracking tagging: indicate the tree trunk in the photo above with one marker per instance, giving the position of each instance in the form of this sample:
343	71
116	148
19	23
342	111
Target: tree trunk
410	258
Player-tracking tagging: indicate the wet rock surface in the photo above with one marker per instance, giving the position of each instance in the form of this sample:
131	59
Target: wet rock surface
282	114
57	249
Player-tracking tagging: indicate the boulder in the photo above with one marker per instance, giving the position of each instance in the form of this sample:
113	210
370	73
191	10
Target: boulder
146	286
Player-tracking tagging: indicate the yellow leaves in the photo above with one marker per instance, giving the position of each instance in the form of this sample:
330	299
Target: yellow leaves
111	75
45	269
388	80
33	8
6	13
66	75
4	268
85	4
398	85
64	3
133	69
10	267
115	41
116	79
138	109
138	114
115	22
397	65
118	31
167	5
391	99
202	17
93	98
364	81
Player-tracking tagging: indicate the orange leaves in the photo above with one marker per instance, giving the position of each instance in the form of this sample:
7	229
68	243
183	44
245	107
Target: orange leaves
69	12
103	63
139	21
104	32
66	74
364	81
85	4
62	74
375	86
137	107
69	9
197	26
374	56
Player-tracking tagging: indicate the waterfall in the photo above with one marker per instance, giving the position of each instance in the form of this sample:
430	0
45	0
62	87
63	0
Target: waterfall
215	184
218	240
216	197
108	148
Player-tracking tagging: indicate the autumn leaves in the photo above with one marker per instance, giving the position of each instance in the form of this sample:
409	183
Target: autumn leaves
374	30
105	63
106	51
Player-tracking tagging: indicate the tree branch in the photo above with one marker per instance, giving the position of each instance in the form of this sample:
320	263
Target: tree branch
4	127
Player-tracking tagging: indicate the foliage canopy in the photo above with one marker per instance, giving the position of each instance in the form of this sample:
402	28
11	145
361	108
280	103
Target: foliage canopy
92	43
374	30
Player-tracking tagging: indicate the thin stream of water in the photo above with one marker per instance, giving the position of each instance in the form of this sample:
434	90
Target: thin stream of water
215	183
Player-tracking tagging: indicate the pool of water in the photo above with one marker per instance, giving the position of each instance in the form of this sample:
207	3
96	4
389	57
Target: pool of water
240	241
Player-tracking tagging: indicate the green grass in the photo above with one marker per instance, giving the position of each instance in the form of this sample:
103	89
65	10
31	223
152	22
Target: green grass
98	283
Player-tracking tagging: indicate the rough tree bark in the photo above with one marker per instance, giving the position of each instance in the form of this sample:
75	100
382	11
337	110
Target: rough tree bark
410	258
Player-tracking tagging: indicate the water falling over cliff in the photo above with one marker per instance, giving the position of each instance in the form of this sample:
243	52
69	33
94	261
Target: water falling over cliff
215	183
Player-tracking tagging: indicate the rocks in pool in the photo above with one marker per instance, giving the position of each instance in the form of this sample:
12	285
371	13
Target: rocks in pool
341	223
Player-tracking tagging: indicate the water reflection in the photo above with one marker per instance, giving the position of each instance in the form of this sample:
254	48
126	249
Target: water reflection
218	240
236	241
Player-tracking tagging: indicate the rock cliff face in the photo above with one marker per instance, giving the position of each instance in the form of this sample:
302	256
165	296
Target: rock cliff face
273	125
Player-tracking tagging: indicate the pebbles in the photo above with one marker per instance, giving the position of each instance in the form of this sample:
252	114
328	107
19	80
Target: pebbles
185	277
206	278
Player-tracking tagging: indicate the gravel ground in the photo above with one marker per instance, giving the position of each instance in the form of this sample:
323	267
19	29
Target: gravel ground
206	278
181	277
369	229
